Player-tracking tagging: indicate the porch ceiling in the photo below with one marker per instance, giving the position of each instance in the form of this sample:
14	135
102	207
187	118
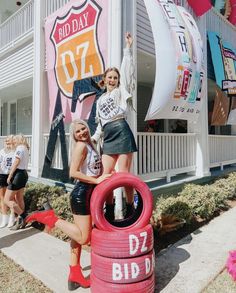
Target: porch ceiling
18	90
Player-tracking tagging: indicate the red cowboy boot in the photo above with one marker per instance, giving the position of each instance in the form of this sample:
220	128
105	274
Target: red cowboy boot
45	217
76	278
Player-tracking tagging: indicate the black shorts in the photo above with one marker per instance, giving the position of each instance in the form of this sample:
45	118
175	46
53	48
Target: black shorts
80	198
3	180
19	180
118	138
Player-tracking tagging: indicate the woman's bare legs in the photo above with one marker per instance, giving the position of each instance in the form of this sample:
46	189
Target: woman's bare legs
108	163
80	231
124	165
19	198
4	207
9	200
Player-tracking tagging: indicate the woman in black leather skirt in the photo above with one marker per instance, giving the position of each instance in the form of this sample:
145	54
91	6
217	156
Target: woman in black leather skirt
118	139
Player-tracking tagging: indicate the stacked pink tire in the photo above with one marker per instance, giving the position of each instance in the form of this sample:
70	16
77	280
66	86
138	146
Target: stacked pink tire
122	258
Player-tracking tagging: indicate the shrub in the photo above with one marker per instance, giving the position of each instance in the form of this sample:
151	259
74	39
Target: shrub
199	200
37	194
173	207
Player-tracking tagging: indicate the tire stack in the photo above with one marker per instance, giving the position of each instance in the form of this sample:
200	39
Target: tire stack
122	258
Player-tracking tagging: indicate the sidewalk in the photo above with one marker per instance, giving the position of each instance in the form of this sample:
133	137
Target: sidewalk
42	255
186	267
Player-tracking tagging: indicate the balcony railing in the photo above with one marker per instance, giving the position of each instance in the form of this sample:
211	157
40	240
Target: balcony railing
17	25
53	5
165	154
222	150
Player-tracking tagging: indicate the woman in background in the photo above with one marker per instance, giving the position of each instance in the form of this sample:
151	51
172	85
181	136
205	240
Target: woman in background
6	158
17	179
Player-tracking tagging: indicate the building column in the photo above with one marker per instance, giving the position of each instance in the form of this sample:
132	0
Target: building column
39	111
129	25
201	126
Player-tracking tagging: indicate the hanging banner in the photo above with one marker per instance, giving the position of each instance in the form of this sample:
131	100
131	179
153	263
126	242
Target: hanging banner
179	77
224	63
76	48
221	108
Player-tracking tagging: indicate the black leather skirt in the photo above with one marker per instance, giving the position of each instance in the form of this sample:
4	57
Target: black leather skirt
118	138
80	198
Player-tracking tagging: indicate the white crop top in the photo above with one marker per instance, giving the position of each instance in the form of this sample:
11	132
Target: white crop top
6	160
92	165
22	153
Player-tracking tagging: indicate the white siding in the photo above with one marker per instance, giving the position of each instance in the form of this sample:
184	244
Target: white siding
144	31
17	67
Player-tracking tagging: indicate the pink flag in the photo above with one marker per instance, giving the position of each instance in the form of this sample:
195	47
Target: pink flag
200	7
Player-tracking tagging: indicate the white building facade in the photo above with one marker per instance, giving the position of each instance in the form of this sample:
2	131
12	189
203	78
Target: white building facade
25	102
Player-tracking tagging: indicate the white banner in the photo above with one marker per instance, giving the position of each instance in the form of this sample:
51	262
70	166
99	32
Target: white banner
178	87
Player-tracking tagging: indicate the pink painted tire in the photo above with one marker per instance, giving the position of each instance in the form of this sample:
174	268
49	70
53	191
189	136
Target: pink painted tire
122	244
121	179
123	270
99	286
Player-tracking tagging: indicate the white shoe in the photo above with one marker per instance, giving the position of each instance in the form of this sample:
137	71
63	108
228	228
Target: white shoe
4	221
12	220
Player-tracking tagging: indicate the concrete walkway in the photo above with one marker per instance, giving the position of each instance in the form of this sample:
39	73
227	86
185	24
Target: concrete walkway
186	267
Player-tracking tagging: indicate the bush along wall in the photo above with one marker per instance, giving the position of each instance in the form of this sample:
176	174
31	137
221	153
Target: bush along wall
194	202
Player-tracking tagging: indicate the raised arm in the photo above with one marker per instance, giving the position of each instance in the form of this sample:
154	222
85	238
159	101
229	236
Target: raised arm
127	66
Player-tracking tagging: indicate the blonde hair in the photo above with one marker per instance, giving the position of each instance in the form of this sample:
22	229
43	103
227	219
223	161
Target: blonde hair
8	138
21	140
73	141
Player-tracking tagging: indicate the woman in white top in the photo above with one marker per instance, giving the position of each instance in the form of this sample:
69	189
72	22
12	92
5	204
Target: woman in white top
17	179
6	157
118	140
86	169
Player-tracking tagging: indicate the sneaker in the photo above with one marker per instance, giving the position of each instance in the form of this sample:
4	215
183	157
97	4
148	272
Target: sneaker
20	224
12	221
4	221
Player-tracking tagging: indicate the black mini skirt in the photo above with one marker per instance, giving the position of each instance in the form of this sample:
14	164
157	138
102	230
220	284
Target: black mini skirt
118	138
80	198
